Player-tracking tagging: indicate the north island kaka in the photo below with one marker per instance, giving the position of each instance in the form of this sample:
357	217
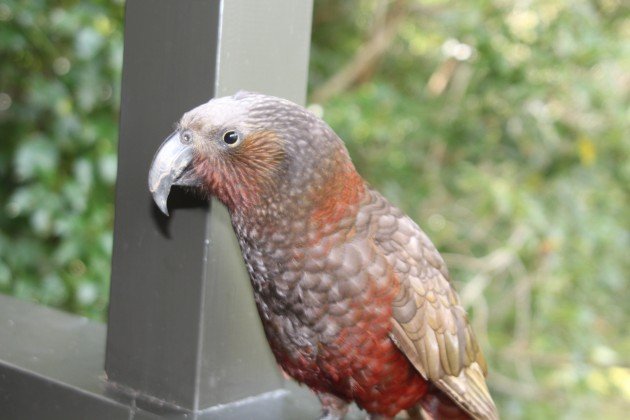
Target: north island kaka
355	300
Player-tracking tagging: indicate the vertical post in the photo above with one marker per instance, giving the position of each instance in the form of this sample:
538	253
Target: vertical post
182	324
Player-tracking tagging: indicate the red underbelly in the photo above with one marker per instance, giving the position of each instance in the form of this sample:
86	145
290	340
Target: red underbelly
363	365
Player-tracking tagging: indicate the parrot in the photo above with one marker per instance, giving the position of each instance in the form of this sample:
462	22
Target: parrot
355	300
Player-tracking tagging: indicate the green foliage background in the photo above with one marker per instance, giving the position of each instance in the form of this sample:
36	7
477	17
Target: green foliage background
502	127
60	70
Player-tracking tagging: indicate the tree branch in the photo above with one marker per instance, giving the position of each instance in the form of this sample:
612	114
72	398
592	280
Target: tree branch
383	34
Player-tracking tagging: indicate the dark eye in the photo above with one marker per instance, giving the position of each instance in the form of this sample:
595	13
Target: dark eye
231	137
186	137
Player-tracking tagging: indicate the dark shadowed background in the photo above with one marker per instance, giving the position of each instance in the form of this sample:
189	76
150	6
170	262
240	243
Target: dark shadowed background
501	127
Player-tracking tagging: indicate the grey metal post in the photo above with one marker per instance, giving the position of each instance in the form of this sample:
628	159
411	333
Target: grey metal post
182	325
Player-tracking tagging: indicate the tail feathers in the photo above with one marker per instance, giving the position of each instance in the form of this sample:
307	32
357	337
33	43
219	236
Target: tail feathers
470	391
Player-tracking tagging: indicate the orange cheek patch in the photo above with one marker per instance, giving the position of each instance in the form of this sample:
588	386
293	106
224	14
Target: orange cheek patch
260	154
240	176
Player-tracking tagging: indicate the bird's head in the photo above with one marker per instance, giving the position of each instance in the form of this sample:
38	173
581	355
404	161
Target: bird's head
250	150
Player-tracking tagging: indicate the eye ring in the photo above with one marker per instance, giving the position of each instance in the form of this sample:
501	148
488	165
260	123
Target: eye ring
186	137
231	138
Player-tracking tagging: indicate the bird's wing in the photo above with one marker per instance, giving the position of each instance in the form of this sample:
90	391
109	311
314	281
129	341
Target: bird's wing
429	324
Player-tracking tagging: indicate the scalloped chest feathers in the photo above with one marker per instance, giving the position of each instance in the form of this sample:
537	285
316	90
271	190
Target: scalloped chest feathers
324	293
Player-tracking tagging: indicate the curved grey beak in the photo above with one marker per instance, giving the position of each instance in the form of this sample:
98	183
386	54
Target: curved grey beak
172	165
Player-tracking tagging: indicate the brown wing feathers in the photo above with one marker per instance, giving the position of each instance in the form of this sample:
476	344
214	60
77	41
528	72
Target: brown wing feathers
429	324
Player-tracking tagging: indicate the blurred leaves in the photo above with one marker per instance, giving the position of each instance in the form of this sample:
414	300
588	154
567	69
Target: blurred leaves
503	128
59	87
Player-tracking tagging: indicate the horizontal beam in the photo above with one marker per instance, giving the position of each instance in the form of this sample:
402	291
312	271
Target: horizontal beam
51	367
